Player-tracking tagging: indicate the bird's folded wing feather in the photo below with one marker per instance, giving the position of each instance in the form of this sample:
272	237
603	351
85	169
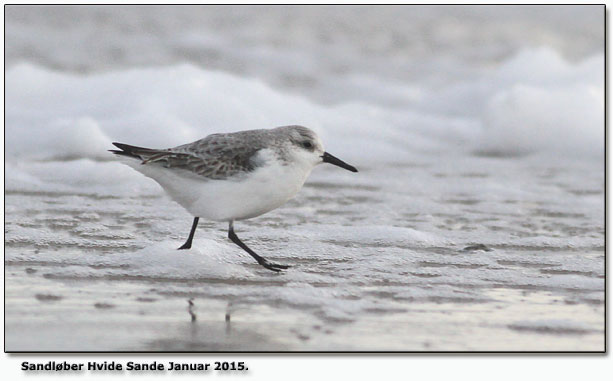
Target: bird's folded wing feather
214	157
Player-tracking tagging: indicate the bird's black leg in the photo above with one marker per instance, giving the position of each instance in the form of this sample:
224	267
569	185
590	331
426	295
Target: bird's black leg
261	261
188	243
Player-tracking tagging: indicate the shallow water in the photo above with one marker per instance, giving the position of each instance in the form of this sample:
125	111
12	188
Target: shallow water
380	267
443	240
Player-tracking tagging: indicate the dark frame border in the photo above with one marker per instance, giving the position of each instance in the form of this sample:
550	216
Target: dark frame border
604	351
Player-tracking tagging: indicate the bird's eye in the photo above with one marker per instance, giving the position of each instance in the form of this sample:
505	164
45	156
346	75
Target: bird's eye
307	144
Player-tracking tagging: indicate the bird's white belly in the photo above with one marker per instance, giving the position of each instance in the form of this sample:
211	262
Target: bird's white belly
251	195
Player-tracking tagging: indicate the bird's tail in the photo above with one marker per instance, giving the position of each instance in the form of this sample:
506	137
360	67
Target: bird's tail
132	151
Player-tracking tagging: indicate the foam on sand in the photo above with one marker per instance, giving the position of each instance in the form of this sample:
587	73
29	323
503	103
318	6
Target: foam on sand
535	102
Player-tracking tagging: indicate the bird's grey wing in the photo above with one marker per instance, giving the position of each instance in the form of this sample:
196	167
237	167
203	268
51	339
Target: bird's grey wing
218	156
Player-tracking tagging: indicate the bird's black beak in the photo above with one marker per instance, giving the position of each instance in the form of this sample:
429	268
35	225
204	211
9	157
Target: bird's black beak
327	158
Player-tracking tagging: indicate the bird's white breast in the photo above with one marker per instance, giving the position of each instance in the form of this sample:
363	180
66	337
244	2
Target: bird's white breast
245	196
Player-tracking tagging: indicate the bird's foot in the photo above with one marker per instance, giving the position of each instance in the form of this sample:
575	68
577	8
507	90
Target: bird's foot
272	266
185	246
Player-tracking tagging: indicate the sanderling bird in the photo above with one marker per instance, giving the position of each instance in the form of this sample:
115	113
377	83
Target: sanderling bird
233	176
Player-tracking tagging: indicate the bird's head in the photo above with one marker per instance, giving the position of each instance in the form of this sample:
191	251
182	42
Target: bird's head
305	147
